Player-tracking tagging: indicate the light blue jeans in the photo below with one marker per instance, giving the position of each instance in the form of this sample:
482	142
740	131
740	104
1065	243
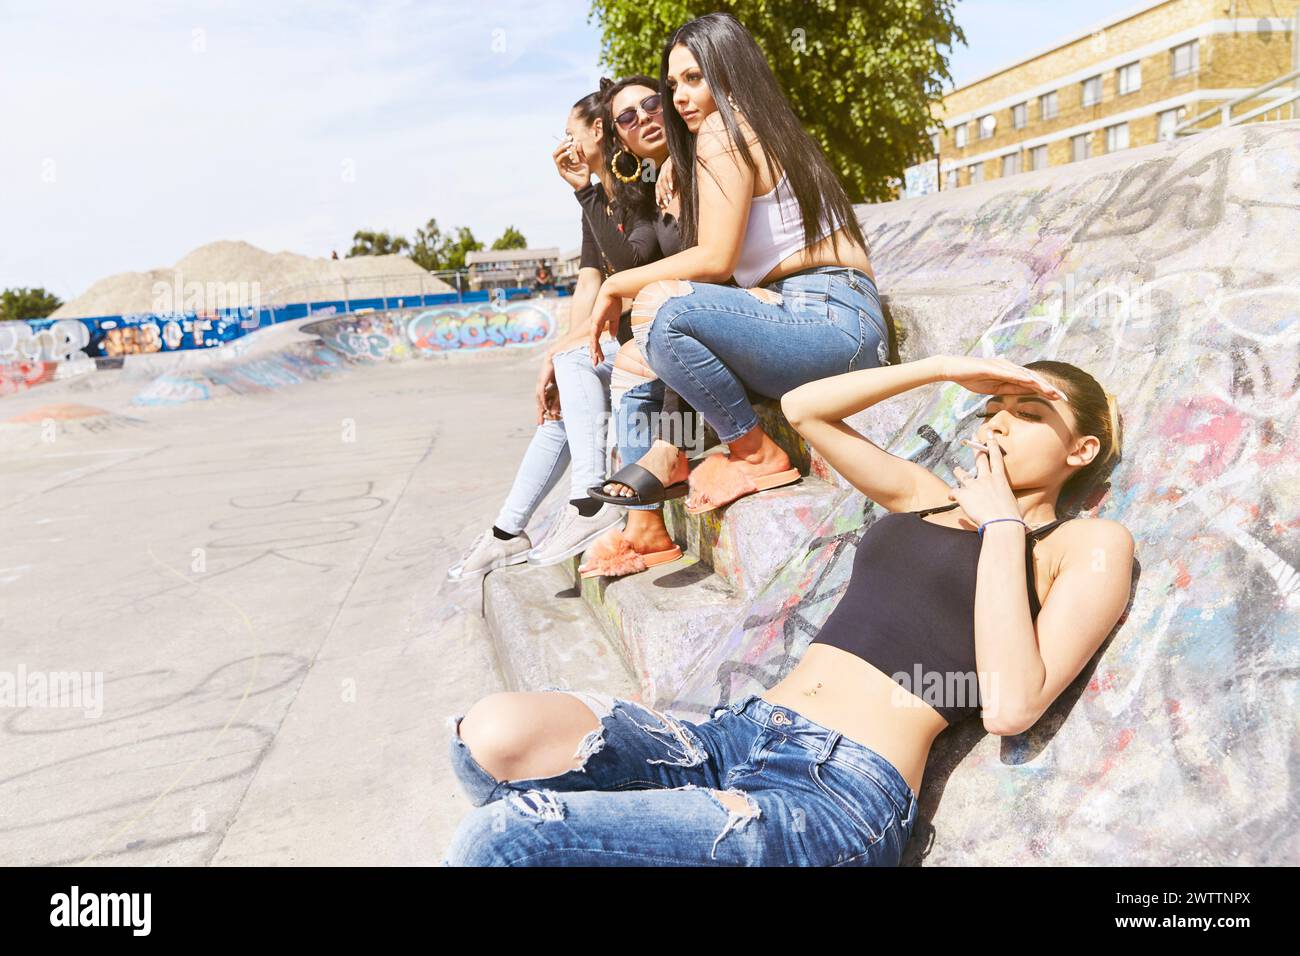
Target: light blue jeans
644	795
634	423
713	343
578	437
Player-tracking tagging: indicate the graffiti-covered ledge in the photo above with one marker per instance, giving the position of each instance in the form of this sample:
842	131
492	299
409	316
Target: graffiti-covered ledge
242	360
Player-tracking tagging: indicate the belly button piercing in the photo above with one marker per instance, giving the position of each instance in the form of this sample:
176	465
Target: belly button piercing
813	692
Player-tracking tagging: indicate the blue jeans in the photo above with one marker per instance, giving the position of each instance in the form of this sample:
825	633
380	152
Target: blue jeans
580	435
634	423
644	796
713	343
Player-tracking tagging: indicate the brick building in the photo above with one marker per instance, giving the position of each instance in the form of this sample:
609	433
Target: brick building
1128	81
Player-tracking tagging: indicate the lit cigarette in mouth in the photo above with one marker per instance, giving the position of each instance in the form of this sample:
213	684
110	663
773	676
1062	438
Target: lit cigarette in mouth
984	448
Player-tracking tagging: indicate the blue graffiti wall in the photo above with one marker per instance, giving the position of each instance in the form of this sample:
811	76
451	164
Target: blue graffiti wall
110	336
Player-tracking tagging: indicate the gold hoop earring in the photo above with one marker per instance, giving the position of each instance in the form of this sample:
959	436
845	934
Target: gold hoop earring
731	101
613	167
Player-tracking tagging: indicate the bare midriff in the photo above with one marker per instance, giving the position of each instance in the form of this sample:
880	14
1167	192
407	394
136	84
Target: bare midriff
823	253
864	704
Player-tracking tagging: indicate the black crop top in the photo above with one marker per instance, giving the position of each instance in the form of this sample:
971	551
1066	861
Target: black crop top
910	604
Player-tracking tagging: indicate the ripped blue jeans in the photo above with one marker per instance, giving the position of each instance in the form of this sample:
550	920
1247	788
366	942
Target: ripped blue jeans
648	792
713	344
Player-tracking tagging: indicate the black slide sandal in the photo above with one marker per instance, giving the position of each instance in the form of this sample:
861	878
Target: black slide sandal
649	489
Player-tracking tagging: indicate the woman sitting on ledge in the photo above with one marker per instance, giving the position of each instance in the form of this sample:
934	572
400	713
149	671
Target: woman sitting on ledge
759	203
824	768
619	231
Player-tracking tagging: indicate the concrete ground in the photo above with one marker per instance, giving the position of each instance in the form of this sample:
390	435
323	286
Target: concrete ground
260	581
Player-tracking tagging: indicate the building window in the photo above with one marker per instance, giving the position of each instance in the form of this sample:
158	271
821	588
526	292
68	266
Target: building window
952	179
1020	115
1092	91
959	135
1038	157
1011	164
1080	147
934	144
1116	137
1047	106
987	125
977	173
1186	58
1166	121
1130	78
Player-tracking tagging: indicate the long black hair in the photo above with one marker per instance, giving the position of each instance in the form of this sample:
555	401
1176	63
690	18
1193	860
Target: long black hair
733	65
634	200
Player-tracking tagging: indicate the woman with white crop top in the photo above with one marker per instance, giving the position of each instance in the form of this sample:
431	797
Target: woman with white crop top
760	204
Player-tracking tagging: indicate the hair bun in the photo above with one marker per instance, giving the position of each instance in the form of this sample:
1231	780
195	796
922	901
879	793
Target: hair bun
605	83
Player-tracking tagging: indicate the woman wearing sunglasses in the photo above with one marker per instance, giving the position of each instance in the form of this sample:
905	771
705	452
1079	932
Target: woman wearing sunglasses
618	232
639	152
760	204
620	213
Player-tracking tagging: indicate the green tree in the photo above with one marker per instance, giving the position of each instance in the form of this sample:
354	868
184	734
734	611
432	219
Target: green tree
432	249
454	250
367	242
428	248
26	303
512	238
863	77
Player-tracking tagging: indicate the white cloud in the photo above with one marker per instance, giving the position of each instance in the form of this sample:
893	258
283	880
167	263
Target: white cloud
165	129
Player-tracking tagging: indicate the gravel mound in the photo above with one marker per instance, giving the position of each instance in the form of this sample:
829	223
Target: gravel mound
229	274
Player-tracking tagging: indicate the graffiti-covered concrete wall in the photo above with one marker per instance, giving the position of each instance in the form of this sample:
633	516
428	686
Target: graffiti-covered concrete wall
1172	274
402	333
62	340
20	376
276	355
270	359
40	350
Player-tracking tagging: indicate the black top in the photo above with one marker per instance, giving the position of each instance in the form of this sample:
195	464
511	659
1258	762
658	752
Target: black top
607	244
591	258
667	230
611	247
910	604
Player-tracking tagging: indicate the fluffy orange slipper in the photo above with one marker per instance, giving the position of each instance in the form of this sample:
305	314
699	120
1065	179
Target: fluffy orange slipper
715	483
613	556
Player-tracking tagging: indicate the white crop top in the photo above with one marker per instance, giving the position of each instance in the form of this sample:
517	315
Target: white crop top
774	232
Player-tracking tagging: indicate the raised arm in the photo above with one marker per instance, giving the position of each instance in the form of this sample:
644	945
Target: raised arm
1023	664
817	411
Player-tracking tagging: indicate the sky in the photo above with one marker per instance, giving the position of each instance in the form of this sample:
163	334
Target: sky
136	131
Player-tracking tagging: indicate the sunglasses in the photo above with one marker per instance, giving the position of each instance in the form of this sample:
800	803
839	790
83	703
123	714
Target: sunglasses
652	105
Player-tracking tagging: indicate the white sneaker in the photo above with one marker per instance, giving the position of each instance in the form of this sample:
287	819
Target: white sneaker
572	533
487	551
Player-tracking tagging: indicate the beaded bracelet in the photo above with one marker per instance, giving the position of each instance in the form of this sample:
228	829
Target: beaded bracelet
991	520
